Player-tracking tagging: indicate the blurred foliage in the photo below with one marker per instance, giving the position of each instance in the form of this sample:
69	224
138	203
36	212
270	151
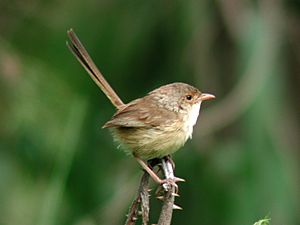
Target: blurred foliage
57	166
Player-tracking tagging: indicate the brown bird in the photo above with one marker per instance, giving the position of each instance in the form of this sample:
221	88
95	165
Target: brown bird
151	127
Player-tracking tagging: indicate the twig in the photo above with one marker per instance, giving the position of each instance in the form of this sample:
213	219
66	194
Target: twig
167	208
142	200
144	195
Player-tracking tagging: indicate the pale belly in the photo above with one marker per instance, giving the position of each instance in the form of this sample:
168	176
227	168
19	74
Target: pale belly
150	143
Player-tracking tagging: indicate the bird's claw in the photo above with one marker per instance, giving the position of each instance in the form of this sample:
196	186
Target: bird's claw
167	184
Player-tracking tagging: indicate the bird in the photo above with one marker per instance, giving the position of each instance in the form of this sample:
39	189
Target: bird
150	127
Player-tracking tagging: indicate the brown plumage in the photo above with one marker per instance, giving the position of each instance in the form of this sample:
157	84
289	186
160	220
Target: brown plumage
157	124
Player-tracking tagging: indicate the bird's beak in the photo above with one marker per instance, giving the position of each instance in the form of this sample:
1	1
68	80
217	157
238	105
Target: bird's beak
205	96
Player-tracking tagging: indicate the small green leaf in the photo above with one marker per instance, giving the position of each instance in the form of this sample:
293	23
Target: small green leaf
263	222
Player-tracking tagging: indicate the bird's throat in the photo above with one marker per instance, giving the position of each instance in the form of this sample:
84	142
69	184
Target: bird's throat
192	119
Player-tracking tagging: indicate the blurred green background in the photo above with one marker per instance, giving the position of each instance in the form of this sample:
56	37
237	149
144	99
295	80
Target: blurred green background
57	166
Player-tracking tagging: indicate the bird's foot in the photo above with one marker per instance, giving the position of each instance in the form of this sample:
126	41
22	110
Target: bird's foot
167	184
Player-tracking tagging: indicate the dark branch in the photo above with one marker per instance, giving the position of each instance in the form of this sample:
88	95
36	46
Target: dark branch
142	200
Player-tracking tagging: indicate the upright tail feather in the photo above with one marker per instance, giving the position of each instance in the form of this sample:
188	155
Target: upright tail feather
86	61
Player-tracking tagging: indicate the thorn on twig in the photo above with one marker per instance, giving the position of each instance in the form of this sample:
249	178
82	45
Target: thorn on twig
175	194
160	198
178	179
177	207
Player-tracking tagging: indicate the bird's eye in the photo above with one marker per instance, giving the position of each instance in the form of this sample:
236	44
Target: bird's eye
189	97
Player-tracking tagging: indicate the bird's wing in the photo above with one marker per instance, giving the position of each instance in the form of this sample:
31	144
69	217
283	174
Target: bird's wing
140	113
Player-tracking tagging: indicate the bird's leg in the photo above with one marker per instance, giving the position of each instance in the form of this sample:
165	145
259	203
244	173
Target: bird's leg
165	183
157	162
154	162
149	171
169	158
169	181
